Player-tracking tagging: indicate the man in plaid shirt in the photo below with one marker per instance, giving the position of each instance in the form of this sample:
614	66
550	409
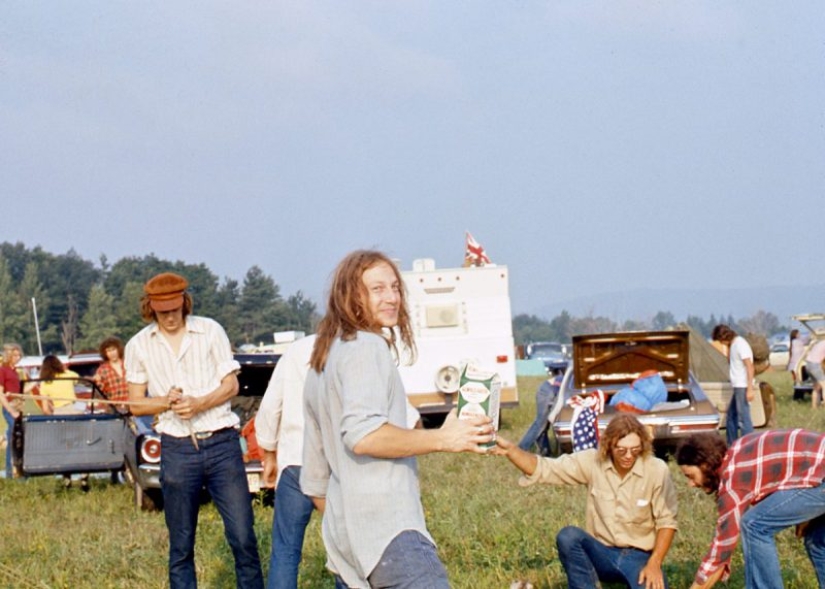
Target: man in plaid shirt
764	483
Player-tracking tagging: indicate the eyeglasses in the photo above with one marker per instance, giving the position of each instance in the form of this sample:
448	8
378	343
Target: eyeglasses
624	451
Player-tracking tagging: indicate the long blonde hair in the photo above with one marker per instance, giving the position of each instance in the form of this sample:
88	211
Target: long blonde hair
348	312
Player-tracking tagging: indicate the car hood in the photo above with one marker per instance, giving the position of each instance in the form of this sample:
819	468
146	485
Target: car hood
615	359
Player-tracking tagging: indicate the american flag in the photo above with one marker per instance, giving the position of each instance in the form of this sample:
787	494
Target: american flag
474	254
585	421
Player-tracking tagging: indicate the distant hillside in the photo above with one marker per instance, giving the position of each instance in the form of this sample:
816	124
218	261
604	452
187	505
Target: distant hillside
643	304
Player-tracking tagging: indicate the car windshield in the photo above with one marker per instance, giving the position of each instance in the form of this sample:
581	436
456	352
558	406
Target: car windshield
546	350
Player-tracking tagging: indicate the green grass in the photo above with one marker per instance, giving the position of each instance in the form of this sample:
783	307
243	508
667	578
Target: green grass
489	530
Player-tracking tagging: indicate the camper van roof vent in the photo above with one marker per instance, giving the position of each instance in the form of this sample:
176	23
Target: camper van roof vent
423	265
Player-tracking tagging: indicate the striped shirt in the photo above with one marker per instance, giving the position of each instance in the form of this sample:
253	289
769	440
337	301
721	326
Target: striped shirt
756	466
204	359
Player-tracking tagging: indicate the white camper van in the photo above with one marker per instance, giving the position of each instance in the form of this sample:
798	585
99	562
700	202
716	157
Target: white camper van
459	316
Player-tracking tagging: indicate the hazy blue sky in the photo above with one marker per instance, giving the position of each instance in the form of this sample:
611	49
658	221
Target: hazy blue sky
590	146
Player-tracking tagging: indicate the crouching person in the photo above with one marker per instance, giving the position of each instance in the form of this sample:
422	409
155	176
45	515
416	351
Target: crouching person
630	518
763	483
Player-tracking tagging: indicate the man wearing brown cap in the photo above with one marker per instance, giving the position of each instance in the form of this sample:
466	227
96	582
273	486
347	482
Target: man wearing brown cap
180	368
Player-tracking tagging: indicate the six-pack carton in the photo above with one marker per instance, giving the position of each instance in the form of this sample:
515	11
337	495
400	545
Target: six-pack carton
479	393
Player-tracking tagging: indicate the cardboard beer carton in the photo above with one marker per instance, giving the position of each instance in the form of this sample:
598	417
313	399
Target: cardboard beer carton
479	393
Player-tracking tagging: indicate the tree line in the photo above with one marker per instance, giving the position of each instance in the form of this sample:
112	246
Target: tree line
79	302
562	328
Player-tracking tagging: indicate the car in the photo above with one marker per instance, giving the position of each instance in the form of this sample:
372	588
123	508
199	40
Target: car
143	448
88	442
779	356
554	355
609	362
814	324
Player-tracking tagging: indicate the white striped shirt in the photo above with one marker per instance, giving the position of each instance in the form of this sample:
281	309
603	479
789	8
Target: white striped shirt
205	357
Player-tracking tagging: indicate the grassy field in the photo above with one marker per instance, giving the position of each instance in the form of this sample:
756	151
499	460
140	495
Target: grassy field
489	531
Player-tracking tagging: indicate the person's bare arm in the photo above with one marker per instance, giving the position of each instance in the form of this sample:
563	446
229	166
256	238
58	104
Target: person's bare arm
6	403
144	405
712	580
526	462
750	394
270	463
455	435
651	574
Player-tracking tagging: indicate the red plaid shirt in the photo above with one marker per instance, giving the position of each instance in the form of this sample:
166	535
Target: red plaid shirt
754	467
112	384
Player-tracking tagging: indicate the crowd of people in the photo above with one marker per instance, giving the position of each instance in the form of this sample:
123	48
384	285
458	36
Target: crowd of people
340	437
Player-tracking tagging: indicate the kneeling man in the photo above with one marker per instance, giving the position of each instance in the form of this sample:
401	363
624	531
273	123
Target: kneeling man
630	518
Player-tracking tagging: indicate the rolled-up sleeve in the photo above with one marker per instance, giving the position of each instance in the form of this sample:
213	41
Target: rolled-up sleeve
133	361
364	377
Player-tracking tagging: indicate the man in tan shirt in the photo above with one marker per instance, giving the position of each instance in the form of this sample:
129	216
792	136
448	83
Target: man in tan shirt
630	518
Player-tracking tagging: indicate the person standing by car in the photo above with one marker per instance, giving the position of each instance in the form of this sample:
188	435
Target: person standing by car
763	483
630	518
10	384
359	460
813	364
185	364
279	427
546	396
110	376
740	358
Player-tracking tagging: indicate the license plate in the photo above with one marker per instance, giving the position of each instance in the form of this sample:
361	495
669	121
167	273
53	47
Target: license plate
254	481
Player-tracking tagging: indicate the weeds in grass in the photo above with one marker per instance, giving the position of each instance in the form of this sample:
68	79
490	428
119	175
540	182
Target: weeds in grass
489	530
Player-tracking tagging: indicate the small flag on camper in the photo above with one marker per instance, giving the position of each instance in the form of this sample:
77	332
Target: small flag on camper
474	254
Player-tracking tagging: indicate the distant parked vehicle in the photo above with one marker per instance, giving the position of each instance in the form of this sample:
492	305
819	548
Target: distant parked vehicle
780	354
814	324
555	356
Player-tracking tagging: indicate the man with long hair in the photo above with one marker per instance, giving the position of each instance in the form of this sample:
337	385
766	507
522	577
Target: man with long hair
359	456
185	365
630	518
764	483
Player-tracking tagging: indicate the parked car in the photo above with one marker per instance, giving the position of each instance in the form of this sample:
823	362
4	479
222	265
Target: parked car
779	356
143	447
814	324
63	444
554	355
609	362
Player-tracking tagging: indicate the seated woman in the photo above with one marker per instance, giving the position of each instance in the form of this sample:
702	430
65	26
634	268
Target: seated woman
60	398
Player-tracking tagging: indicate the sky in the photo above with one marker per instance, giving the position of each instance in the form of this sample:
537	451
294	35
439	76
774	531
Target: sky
591	147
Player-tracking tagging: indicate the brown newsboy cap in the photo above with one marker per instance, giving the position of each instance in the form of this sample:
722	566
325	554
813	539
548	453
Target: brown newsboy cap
165	291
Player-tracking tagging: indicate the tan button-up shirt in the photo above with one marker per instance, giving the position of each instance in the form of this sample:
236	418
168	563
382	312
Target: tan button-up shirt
621	512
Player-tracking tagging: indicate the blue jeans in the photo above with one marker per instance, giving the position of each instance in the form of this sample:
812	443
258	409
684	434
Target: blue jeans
537	433
764	520
218	466
289	522
410	561
587	561
9	430
738	422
